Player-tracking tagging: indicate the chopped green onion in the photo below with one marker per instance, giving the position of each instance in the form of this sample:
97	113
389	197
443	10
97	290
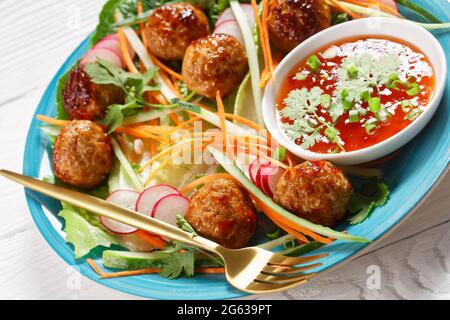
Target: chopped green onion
273	235
313	63
280	154
353	116
406	105
374	104
413	114
371	126
352	70
365	96
301	76
347	102
325	101
382	115
414	90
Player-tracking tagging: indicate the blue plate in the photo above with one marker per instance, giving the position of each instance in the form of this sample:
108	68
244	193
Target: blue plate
410	178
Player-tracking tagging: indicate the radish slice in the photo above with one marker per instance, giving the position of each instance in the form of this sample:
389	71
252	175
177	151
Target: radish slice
232	28
150	196
102	53
228	15
253	170
111	44
222	22
269	174
167	208
126	199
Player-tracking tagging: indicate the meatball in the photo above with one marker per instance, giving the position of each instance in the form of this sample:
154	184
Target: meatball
290	22
171	28
215	63
82	156
316	191
85	100
223	212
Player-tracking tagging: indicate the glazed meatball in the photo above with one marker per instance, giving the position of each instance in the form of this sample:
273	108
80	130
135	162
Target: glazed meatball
316	191
82	156
171	28
292	21
223	212
85	100
214	63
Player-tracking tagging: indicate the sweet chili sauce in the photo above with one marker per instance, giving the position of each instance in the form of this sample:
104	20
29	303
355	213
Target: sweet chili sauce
353	134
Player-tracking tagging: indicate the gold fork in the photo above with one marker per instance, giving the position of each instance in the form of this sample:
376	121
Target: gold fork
251	269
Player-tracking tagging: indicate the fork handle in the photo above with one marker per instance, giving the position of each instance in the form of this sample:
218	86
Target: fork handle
112	211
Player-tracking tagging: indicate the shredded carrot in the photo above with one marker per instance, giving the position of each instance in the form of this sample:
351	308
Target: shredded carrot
298	235
260	30
137	133
154	240
275	215
165	68
373	3
125	52
340	7
174	117
124	147
169	83
167	151
56	122
108	275
221	112
243	120
289	159
194	184
265	12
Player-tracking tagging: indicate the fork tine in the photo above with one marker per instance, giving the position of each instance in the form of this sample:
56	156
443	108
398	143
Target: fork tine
277	259
284	279
275	270
258	286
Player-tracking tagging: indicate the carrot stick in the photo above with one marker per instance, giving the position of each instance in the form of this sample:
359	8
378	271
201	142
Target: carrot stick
260	30
244	121
56	122
194	184
137	133
373	3
340	7
124	147
265	11
155	241
124	50
165	68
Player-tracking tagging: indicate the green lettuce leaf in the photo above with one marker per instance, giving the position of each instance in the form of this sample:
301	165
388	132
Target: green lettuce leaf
83	231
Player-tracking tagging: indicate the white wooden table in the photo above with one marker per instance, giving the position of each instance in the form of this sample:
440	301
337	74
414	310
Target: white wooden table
35	39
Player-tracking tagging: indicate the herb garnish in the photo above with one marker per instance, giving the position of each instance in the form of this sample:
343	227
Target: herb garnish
362	204
301	108
133	85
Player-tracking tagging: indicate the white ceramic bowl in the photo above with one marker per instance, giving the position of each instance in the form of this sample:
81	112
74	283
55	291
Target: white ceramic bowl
393	28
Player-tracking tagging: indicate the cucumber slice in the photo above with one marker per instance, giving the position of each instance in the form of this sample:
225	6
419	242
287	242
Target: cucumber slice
128	260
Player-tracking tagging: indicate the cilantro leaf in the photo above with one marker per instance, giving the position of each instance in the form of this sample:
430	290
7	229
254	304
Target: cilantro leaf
372	74
362	204
176	264
185	226
301	106
133	85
